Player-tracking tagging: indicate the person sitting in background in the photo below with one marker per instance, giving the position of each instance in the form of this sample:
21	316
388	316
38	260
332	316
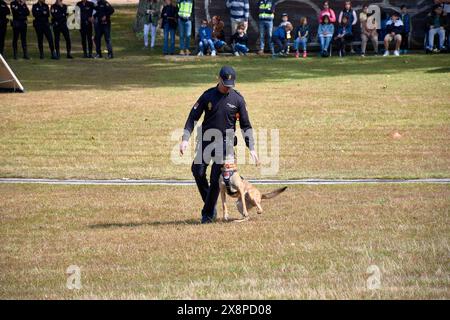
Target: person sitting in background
344	35
169	25
279	39
239	41
284	20
301	35
368	31
394	30
351	16
205	41
325	34
327	11
436	24
218	34
406	19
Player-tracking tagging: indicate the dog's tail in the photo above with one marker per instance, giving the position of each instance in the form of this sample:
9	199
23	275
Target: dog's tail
273	194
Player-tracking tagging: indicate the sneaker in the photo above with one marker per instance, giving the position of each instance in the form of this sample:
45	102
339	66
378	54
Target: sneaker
181	52
213	54
396	53
200	54
305	54
187	52
25	56
98	56
386	53
236	54
297	54
363	54
69	56
110	56
260	52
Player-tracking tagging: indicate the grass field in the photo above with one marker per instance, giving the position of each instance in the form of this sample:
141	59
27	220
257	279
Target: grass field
312	242
114	119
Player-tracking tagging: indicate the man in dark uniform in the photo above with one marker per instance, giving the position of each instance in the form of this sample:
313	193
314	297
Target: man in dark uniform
41	13
4	11
222	106
86	20
102	16
20	13
59	22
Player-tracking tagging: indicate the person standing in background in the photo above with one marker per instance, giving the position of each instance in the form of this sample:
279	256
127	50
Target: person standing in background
20	13
185	25
150	15
266	15
4	12
59	22
239	13
404	16
86	21
169	25
41	13
327	11
102	17
351	18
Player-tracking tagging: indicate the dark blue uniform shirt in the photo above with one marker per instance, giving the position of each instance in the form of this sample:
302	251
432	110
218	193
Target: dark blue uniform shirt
221	113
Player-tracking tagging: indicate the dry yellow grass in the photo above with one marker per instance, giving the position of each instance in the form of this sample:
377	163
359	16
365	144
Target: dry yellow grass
145	242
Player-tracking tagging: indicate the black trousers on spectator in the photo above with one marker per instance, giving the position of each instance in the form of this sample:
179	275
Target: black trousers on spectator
57	30
86	37
343	41
19	29
3	26
103	30
405	41
279	44
43	29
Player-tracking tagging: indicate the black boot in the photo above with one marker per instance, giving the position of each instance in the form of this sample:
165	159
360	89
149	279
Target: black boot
25	55
55	56
69	56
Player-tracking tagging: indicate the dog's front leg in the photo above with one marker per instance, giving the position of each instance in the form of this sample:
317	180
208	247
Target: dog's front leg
244	204
223	196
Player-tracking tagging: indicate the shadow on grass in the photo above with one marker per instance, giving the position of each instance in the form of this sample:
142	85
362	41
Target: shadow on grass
440	70
144	223
155	223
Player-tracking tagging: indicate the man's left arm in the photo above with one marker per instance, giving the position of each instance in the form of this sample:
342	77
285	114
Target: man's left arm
247	130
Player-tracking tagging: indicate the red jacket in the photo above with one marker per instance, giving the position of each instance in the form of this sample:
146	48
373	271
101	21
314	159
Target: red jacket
327	12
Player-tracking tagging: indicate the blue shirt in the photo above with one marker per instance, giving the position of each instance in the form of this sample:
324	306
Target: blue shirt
205	33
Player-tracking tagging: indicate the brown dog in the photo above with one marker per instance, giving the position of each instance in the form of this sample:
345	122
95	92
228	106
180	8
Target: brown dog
233	185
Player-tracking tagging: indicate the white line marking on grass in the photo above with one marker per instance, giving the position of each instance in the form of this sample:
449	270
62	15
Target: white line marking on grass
162	182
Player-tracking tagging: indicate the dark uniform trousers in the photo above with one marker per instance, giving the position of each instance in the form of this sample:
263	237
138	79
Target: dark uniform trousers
57	30
209	192
103	30
86	36
43	29
3	26
19	29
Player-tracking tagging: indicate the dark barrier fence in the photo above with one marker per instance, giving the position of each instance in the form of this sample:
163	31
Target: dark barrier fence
417	9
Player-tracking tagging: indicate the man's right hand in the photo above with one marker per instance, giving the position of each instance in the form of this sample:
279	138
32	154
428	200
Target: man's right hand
183	146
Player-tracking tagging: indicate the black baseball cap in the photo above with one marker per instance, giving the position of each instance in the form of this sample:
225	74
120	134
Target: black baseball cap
228	75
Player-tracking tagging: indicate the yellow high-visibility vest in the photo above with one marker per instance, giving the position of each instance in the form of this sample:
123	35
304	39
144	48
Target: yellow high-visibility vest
185	9
262	8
